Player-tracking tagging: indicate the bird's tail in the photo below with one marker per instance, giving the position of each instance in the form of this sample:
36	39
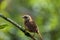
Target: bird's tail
40	35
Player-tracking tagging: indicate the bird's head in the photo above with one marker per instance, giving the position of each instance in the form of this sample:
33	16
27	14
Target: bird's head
27	17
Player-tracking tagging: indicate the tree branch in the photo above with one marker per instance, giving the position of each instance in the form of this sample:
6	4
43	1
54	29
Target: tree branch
18	26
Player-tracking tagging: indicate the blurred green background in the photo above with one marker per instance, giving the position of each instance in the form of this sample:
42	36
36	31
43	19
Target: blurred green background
46	14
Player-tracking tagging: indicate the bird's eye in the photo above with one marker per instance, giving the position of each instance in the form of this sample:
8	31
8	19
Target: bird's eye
25	17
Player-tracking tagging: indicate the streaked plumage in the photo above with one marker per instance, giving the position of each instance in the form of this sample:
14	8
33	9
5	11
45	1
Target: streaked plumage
30	25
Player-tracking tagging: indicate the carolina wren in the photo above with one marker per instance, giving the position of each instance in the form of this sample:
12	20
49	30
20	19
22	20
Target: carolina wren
30	25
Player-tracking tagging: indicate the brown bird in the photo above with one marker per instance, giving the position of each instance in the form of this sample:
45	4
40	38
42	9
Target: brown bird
30	25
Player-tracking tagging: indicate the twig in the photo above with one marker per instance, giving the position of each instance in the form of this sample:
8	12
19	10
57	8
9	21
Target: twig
18	26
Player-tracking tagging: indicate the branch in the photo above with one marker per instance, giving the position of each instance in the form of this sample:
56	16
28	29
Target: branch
18	26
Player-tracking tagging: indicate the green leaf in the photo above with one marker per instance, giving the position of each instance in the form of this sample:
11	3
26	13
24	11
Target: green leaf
3	25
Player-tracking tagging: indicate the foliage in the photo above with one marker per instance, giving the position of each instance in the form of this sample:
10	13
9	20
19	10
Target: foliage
46	13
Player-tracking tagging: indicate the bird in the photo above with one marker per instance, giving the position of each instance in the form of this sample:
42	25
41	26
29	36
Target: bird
30	25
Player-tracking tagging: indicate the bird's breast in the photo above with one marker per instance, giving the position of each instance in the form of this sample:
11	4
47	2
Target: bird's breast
30	26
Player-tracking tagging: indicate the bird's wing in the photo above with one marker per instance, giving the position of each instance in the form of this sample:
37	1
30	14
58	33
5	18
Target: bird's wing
34	26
